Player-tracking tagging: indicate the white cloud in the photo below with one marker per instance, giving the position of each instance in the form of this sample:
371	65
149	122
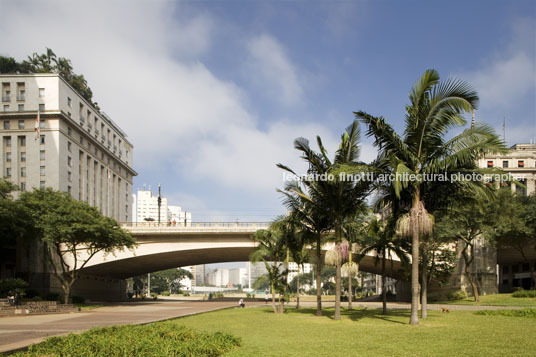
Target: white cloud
271	70
505	80
138	61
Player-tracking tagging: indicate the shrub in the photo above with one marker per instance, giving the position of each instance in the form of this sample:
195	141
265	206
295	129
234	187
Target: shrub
7	285
165	293
52	297
510	313
77	300
157	339
36	298
154	296
524	294
185	293
457	295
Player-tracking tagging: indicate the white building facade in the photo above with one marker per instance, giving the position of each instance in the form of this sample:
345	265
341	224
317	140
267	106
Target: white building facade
147	207
78	149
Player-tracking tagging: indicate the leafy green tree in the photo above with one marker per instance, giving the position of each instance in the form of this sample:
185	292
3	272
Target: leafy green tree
73	233
169	279
512	224
435	107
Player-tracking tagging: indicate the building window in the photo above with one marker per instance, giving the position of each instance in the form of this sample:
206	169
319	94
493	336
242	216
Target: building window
6	124
23	186
505	164
69	161
23	156
69	190
69	114
69	146
41	92
42	123
69	130
41	107
81	140
490	164
42	171
42	185
23	172
7	140
8	171
69	102
521	163
22	141
8	156
42	155
6	107
21	107
42	140
69	176
21	124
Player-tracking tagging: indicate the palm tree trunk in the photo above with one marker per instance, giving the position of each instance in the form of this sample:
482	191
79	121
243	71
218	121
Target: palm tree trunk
298	289
318	277
273	297
384	287
424	282
350	278
414	319
338	284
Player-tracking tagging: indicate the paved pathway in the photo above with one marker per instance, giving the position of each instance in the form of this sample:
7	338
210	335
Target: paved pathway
20	331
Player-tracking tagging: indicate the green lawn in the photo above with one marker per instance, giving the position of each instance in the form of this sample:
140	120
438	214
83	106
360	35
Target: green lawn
367	332
494	300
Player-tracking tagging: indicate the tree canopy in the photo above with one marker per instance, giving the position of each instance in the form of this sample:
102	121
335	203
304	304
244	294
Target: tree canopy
48	62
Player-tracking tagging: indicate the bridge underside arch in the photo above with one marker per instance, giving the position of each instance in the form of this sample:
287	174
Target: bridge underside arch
143	264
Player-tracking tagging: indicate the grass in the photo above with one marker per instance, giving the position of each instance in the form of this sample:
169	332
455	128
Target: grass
367	332
157	339
494	300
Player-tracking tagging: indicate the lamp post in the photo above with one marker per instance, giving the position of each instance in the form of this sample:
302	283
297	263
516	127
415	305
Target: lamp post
159	204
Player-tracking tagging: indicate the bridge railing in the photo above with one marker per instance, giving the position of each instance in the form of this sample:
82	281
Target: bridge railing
193	225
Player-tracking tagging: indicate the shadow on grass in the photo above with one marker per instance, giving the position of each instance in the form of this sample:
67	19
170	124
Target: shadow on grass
354	314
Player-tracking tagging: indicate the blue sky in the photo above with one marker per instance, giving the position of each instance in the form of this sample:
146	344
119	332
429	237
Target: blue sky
213	93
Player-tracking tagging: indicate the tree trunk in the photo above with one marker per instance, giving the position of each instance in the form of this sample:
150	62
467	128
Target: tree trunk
414	221
350	279
468	260
273	297
298	289
338	284
424	283
384	287
318	277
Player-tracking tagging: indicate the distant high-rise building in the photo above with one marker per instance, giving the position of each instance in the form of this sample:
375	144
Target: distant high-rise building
199	275
147	207
238	276
177	216
218	277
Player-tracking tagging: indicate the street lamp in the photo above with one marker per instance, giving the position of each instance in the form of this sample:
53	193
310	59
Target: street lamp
159	203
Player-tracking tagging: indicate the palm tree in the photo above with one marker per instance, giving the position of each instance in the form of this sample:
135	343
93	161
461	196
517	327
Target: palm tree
333	201
380	238
435	107
272	253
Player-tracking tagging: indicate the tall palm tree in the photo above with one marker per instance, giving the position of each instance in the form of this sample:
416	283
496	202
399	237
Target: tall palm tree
381	239
435	107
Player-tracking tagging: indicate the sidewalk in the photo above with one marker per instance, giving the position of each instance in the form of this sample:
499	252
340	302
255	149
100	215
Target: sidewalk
20	331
